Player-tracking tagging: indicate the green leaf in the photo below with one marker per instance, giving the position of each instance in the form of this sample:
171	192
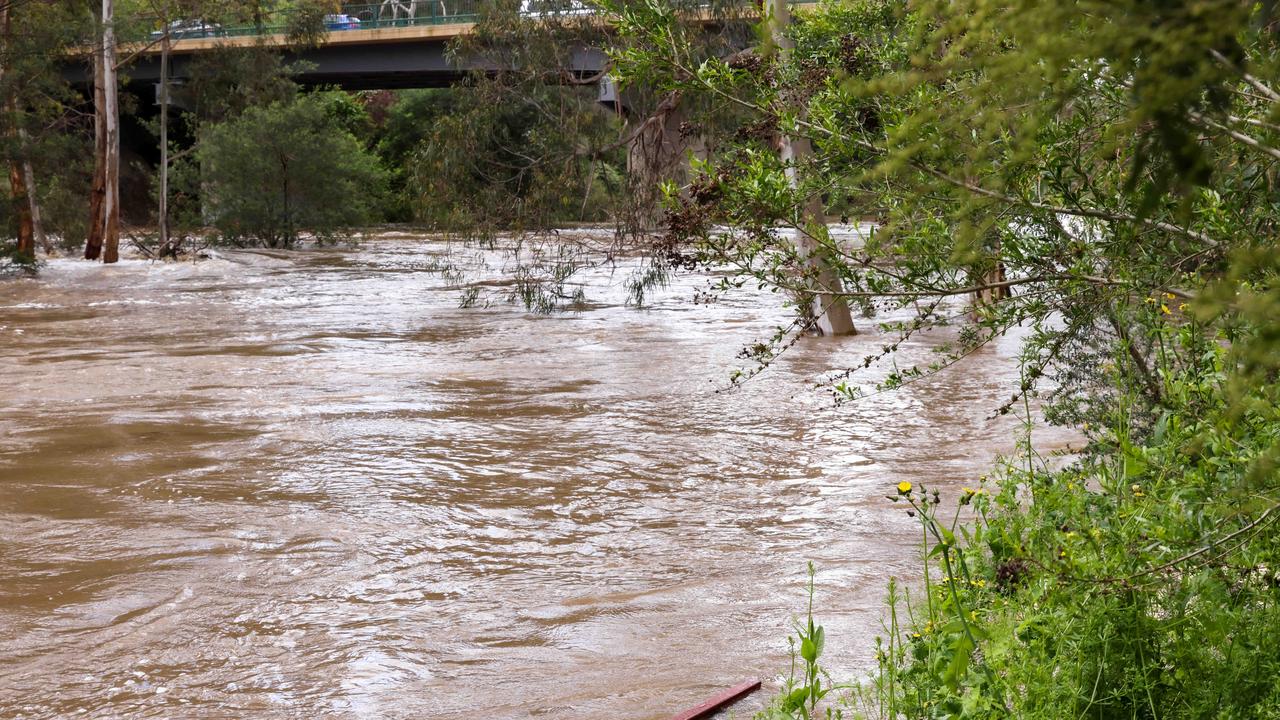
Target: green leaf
808	651
962	651
795	699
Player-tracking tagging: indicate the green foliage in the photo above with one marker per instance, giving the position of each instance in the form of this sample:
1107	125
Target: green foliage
800	696
226	81
1101	178
349	112
40	117
403	120
285	169
409	120
1140	581
497	161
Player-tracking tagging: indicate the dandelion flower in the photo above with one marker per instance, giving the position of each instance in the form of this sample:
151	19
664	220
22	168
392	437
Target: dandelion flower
904	487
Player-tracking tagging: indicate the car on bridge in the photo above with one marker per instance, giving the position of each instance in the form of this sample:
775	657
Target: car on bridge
179	29
550	8
341	22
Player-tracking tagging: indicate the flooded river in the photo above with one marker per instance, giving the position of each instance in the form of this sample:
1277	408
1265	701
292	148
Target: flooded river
302	485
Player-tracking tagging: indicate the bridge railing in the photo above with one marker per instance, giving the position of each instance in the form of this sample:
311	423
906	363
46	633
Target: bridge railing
369	16
393	14
403	13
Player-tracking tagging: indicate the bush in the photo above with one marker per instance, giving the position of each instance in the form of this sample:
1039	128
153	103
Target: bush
285	169
1140	582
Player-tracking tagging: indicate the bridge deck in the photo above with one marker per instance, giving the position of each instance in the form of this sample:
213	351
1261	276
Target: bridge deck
373	36
375	51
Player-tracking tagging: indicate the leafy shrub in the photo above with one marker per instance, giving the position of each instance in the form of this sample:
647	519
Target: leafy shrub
288	168
1140	582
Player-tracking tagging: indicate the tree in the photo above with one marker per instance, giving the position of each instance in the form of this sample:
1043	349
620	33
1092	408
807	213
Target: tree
1097	179
104	204
824	308
110	159
276	172
225	80
19	188
531	135
33	106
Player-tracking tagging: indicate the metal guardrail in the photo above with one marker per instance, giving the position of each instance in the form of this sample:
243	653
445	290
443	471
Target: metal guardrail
386	14
373	16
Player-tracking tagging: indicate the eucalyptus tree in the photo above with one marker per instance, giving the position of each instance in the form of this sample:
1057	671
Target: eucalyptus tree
1049	160
34	103
166	13
534	142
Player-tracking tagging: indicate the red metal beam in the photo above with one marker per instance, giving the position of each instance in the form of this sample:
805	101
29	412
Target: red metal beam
711	705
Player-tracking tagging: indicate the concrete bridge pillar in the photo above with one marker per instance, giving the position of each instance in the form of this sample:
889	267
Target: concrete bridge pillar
659	148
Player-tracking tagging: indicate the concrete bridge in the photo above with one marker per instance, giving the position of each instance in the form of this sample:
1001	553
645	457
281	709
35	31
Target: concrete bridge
387	45
376	58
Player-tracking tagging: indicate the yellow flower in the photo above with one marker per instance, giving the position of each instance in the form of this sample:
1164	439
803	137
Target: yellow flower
1165	309
904	487
1182	307
1169	296
1151	301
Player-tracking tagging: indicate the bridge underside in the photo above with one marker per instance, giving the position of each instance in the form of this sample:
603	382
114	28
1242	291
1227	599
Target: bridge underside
372	65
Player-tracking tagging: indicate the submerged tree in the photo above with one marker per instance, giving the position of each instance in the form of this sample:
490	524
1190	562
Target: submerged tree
277	172
35	108
544	136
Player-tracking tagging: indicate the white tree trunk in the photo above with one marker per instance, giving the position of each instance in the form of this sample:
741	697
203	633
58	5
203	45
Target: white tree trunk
826	305
29	179
163	210
111	118
93	239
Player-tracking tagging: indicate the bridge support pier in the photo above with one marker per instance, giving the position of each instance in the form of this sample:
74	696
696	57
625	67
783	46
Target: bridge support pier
658	149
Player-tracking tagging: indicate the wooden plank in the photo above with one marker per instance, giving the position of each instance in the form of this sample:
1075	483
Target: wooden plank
718	702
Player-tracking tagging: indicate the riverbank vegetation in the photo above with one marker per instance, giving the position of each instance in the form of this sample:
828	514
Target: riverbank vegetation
477	155
1101	176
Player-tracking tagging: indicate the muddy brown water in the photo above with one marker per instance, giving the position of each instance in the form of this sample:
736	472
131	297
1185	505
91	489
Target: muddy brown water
300	485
